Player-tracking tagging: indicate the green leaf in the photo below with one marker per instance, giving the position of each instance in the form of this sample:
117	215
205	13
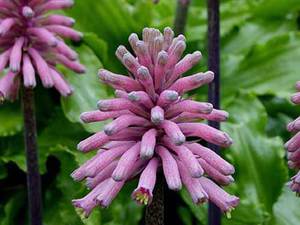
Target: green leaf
199	211
286	209
258	159
98	46
11	119
264	69
11	209
87	89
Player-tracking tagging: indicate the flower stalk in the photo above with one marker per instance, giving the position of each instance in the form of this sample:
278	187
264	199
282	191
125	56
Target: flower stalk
33	176
214	213
155	212
181	16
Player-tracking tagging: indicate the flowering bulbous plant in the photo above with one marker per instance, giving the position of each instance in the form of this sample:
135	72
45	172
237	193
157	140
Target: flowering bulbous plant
31	42
152	120
293	146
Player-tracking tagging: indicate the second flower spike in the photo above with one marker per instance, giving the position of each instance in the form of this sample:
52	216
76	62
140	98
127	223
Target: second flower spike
152	124
31	43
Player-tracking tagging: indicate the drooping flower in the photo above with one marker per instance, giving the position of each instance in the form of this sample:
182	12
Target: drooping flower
293	145
31	43
152	120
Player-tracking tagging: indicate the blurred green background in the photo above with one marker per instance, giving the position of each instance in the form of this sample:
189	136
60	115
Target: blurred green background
260	63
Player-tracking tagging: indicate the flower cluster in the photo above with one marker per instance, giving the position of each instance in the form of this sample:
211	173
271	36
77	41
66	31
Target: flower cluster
31	42
293	145
151	123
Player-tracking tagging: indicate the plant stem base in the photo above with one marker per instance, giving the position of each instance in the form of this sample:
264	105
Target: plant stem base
155	211
33	176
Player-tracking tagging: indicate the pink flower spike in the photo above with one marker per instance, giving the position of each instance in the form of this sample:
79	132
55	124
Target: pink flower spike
170	168
148	144
154	120
193	186
28	72
16	55
173	132
206	132
218	196
31	43
126	162
143	193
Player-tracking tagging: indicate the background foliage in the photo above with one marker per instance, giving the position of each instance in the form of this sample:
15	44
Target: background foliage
260	64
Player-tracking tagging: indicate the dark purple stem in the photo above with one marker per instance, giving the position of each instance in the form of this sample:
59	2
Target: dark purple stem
155	211
181	16
33	176
214	213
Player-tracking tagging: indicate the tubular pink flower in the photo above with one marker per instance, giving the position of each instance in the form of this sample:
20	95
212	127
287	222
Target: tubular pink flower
143	193
113	187
193	185
31	44
218	196
151	118
148	144
206	132
170	168
293	146
126	162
